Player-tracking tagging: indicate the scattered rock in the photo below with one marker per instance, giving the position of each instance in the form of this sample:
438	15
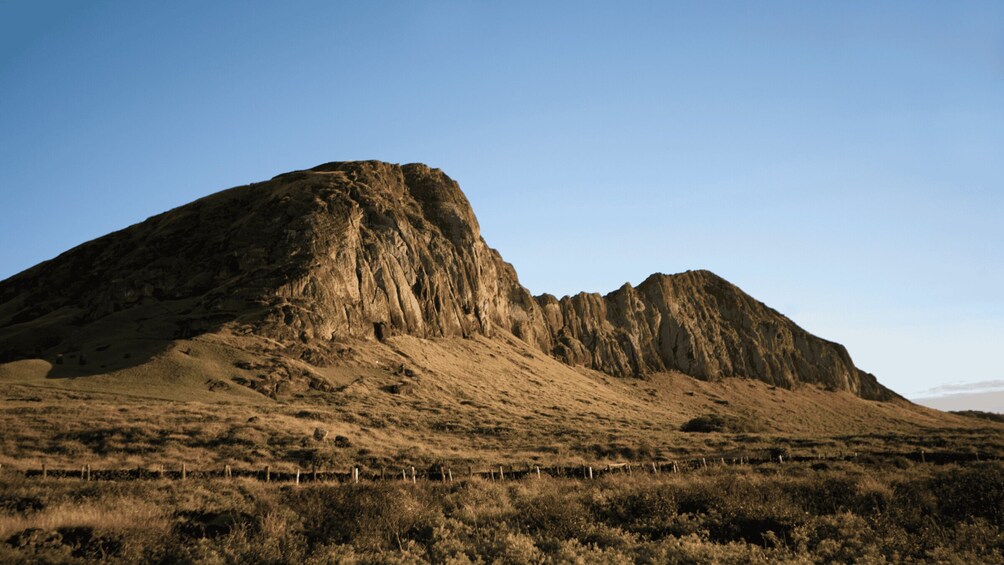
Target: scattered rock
319	434
403	370
215	385
342	442
398	388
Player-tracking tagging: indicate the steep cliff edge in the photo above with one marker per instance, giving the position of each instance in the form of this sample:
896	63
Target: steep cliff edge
364	250
700	324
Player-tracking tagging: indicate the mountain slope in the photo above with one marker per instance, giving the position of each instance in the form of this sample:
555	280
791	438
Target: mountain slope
313	261
699	324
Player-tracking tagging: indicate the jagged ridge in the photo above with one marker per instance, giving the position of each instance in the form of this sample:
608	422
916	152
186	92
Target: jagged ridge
365	249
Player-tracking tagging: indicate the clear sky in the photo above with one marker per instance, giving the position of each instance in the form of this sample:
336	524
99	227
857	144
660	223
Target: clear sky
841	161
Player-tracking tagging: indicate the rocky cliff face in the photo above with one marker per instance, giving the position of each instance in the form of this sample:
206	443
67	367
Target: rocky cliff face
365	250
699	324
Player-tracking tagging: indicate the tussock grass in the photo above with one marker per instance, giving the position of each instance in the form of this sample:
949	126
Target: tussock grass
111	513
845	513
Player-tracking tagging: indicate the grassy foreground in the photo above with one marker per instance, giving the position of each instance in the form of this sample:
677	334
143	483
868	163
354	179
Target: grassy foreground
884	512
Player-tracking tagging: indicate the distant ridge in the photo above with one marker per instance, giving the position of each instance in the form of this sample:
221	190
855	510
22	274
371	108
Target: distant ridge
365	250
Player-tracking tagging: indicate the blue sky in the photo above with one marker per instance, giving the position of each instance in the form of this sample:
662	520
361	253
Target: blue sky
840	161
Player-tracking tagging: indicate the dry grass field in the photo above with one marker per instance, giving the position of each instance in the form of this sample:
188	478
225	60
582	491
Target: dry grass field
793	513
419	402
219	400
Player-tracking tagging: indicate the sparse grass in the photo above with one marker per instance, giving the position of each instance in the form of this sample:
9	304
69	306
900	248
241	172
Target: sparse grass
981	415
791	513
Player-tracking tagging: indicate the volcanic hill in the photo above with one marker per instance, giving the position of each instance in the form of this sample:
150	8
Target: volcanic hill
366	250
366	287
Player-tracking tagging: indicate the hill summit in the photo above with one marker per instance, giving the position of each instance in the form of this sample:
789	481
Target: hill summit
312	260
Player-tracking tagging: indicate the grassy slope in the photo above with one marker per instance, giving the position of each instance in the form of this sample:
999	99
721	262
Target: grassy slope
475	400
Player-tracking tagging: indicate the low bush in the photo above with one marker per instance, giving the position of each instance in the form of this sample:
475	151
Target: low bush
726	423
789	513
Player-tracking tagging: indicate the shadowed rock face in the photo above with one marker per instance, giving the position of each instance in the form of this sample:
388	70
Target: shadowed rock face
368	249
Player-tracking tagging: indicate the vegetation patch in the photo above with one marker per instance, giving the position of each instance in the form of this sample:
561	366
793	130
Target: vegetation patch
726	423
847	513
981	415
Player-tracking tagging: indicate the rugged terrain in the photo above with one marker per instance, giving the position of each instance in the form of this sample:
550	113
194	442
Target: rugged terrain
314	259
352	317
360	299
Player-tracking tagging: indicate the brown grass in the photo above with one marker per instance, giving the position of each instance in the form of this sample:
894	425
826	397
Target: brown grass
846	512
475	401
114	513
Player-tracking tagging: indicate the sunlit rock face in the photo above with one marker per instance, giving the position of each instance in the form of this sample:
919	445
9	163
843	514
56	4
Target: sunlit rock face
367	250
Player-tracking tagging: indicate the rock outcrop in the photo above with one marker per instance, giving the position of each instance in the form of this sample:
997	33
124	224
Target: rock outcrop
700	324
365	250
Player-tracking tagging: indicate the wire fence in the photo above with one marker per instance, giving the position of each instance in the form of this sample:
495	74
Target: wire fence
446	473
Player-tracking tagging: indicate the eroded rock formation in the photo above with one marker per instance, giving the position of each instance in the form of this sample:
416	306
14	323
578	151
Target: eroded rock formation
364	250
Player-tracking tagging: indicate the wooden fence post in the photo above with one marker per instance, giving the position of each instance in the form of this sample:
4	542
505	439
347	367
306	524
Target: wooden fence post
590	473
538	471
355	474
404	474
88	471
442	473
297	475
922	458
450	471
413	478
501	473
184	471
655	470
780	458
227	473
268	473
